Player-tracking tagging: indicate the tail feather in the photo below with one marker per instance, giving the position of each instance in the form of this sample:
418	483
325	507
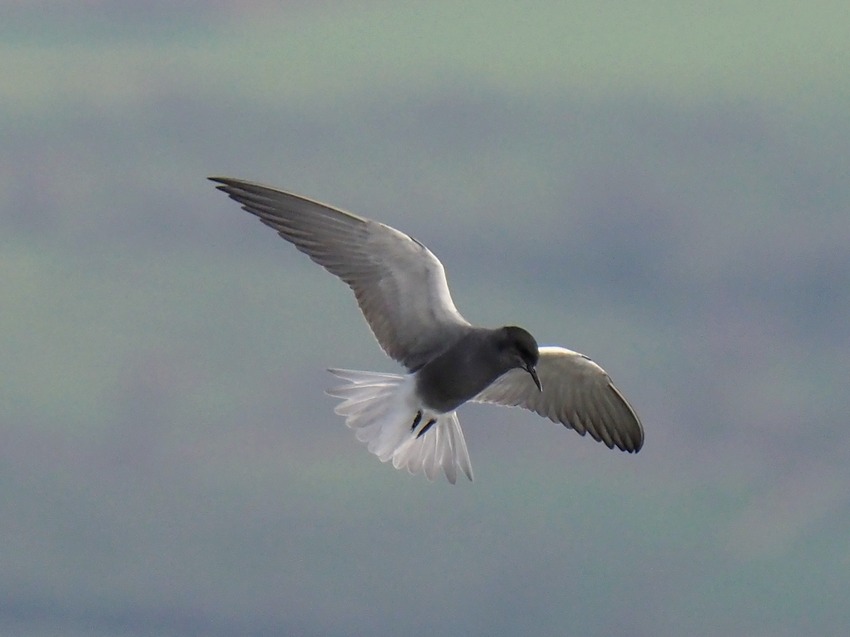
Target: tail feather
382	410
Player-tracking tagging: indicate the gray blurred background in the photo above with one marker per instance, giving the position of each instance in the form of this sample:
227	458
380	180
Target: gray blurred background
663	186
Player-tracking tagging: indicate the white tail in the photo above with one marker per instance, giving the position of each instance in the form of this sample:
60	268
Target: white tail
385	414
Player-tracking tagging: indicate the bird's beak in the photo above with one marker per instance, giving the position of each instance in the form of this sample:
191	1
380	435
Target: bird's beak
530	369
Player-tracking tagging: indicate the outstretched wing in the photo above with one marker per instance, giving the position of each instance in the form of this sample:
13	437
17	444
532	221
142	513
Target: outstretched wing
576	392
400	285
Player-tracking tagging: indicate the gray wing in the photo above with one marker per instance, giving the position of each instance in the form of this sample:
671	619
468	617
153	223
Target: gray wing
576	392
400	285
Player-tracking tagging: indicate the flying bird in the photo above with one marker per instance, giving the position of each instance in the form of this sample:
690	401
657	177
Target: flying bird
401	289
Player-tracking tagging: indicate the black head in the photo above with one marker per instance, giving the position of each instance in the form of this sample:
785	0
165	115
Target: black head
521	349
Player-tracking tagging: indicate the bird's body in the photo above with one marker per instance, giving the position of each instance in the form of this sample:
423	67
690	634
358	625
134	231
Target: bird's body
453	377
402	291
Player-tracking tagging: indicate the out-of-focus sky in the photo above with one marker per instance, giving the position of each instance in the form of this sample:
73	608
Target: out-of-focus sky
661	186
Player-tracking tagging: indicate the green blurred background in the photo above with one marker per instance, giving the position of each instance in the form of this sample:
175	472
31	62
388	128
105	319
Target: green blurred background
661	185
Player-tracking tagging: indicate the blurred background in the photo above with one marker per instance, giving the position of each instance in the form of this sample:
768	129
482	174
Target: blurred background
662	186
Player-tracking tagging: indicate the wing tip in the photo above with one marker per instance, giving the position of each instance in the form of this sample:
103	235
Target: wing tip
629	441
223	181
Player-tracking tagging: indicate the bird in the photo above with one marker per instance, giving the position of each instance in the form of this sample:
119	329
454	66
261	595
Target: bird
402	291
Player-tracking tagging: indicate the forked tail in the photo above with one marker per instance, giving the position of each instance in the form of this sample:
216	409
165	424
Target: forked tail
384	412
